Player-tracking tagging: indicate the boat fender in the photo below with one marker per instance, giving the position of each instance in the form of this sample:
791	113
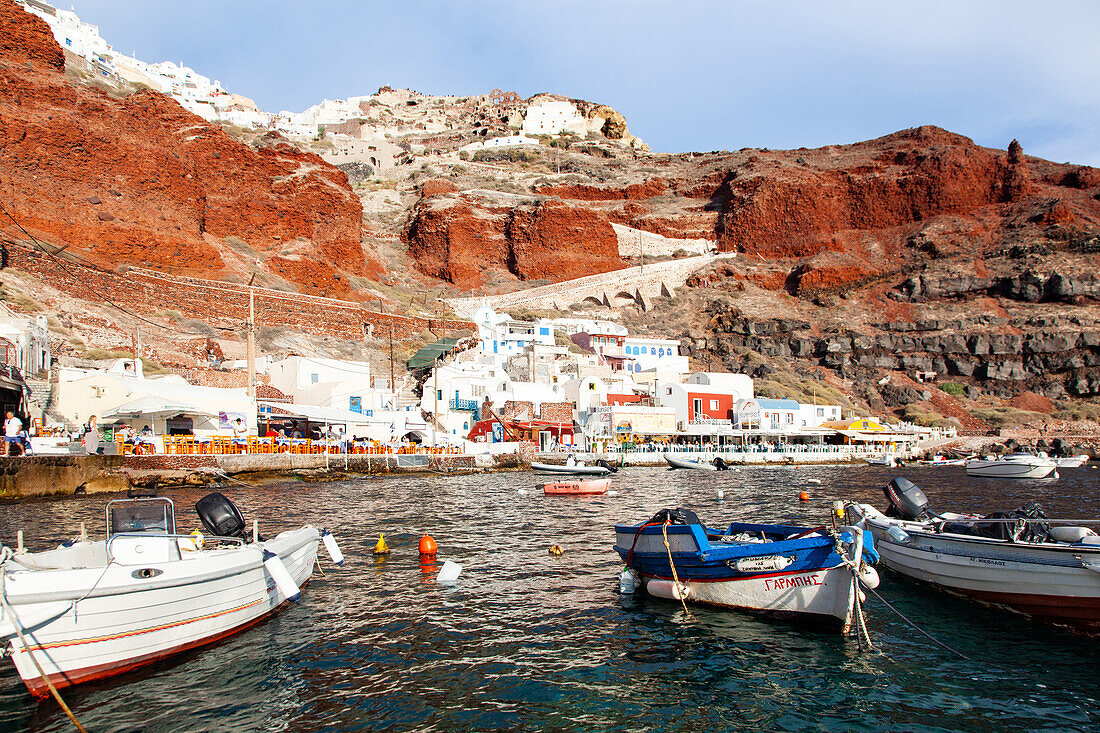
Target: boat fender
898	535
869	577
667	589
192	542
332	547
1070	535
870	554
762	564
628	582
281	576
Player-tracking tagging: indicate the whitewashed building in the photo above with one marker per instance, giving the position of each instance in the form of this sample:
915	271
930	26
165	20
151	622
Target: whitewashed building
553	118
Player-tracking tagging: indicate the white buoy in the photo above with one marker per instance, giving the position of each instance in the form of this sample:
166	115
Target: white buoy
449	572
721	495
627	582
668	589
279	574
332	547
612	493
813	481
522	491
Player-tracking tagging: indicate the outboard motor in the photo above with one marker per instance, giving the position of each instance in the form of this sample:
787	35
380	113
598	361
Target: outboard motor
719	464
678	515
220	516
907	501
607	464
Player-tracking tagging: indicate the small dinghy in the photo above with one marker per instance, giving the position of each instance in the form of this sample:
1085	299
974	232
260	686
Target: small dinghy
89	610
576	488
801	574
1014	560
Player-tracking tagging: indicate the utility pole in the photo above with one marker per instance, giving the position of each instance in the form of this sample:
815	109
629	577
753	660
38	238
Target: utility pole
251	346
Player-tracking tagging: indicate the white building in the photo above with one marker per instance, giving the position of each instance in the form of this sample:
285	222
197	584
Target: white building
25	342
342	385
511	141
505	337
553	118
661	355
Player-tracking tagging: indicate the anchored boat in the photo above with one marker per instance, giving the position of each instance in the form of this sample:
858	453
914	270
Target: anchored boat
1013	465
806	575
576	488
1013	560
716	465
572	468
89	610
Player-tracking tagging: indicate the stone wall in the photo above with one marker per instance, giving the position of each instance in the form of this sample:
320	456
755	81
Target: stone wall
220	303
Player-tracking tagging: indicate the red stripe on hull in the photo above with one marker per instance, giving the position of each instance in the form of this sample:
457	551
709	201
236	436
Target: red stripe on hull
1083	614
39	689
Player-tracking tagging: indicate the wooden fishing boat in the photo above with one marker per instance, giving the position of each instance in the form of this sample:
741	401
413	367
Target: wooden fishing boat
92	609
797	573
1019	561
575	488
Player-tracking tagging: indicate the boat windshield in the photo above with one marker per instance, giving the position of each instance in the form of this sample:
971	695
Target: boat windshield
148	516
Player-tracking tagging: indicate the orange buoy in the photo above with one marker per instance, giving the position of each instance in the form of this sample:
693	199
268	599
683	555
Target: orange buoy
804	496
427	545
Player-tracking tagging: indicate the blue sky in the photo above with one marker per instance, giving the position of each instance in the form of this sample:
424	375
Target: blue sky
688	75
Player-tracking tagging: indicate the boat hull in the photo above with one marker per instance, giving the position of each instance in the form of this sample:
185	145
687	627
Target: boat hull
1011	469
821	598
120	623
576	488
1047	583
555	469
684	463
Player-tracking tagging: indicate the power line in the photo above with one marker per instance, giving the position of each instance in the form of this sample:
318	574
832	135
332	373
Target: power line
105	299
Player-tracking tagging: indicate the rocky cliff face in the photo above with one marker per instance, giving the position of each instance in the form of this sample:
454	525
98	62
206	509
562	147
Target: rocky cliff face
463	238
139	180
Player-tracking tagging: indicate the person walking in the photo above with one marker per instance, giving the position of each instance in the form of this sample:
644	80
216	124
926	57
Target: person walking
12	428
91	437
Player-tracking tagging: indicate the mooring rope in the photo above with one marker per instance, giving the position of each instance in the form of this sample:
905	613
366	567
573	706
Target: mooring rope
671	564
911	623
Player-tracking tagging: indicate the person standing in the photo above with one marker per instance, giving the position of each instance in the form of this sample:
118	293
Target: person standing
12	428
91	437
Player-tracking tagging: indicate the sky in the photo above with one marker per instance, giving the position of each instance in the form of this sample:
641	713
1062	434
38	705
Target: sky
688	75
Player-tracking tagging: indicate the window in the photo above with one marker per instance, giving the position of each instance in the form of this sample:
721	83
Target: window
652	350
790	418
821	412
477	390
775	421
313	378
696	406
714	404
439	394
68	41
660	352
355	404
544	331
592	386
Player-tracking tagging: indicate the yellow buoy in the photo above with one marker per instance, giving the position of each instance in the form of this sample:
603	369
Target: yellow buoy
380	548
556	550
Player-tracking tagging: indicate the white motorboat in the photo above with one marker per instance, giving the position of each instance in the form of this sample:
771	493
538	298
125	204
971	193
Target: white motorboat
888	460
1072	461
92	609
687	463
1012	465
571	469
1013	560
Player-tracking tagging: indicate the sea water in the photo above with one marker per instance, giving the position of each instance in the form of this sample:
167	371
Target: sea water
523	640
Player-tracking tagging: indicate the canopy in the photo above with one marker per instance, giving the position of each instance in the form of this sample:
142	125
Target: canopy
428	355
150	406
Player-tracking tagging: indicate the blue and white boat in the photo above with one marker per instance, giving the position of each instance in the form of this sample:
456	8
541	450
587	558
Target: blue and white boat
797	573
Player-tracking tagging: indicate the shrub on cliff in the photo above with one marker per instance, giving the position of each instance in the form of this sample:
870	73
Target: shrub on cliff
954	389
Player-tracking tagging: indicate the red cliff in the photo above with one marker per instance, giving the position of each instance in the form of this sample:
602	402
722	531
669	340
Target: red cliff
139	180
